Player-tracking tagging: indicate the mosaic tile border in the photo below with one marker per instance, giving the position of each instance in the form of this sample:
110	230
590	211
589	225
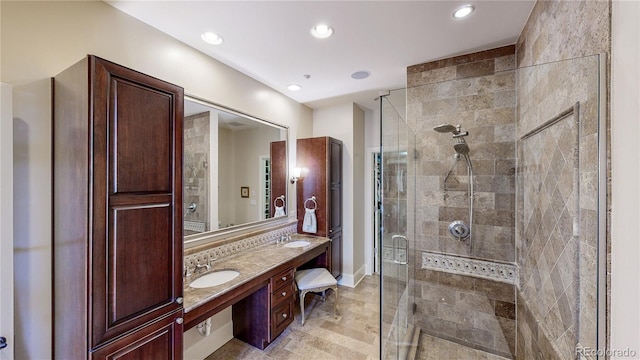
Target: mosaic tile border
228	249
193	225
506	273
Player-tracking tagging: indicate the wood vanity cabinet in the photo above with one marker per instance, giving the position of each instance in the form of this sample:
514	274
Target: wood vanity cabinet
260	317
282	302
322	157
117	214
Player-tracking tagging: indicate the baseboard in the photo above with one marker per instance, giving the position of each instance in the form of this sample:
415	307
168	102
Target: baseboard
198	347
352	280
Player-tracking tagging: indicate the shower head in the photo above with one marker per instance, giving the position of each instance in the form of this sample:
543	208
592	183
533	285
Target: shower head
462	149
445	128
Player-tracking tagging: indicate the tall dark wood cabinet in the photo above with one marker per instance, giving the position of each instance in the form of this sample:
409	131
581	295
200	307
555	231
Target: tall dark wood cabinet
278	181
322	157
117	214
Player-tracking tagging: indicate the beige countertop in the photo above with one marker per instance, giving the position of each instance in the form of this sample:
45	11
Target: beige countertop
250	264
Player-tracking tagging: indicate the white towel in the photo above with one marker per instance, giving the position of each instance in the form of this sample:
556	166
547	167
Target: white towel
279	211
400	181
309	224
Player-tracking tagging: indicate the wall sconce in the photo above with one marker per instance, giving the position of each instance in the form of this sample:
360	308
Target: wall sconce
296	174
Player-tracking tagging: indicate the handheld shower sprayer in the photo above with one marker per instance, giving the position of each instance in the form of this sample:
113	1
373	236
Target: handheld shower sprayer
445	128
458	228
455	130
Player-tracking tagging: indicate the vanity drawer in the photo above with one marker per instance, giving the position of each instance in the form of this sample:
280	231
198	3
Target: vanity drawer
281	279
283	294
281	317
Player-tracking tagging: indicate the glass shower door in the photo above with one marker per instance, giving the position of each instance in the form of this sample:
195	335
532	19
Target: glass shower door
397	149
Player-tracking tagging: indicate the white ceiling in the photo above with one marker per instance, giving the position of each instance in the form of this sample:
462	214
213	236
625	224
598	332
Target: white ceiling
270	40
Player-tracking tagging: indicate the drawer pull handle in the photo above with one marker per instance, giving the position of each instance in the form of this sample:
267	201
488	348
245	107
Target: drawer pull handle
284	293
284	278
284	316
179	320
179	300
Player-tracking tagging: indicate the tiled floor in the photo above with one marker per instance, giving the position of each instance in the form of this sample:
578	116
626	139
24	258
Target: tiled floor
353	335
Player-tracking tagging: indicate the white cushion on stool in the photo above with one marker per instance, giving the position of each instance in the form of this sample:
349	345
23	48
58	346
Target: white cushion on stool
314	278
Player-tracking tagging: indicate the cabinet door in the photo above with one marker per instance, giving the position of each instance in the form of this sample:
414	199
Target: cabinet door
336	254
161	340
136	251
335	186
312	154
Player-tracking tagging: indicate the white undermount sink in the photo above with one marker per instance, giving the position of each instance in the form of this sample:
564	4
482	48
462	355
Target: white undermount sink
297	244
214	279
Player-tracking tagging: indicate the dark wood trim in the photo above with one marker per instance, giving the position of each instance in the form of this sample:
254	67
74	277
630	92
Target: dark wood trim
165	331
53	215
278	174
207	310
322	156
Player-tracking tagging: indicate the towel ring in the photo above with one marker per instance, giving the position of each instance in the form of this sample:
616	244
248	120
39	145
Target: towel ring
312	199
281	198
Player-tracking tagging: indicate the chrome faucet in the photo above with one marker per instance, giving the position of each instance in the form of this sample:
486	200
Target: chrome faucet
284	239
199	267
206	267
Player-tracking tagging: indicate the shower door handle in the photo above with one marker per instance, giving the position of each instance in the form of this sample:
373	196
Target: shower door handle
396	240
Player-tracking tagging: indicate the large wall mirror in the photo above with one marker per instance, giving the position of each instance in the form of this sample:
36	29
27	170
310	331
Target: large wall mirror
235	169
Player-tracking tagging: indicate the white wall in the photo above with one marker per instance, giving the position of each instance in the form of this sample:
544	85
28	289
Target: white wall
338	122
226	154
249	145
32	218
39	40
6	220
625	182
358	193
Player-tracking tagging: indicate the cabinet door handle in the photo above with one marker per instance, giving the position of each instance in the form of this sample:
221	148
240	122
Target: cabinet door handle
284	316
284	293
180	320
330	231
179	300
284	278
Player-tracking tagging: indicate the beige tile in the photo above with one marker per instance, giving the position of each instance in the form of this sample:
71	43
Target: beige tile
475	69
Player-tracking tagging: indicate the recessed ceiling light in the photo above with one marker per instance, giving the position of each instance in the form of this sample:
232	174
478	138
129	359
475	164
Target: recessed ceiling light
211	38
294	87
359	75
322	31
463	11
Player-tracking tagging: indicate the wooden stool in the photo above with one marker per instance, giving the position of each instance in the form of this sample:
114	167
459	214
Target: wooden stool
316	280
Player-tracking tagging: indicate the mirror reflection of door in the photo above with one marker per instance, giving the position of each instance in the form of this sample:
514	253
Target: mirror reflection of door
278	153
265	186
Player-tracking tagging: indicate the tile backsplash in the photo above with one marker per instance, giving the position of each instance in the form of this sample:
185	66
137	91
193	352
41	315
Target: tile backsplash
233	245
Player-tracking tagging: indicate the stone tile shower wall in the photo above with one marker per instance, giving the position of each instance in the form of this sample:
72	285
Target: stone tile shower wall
560	30
478	92
557	207
196	168
474	312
